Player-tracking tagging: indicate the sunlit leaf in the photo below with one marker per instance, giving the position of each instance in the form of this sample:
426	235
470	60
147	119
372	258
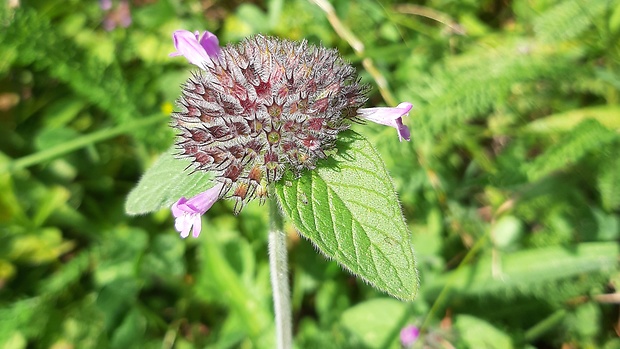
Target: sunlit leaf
529	267
348	208
607	115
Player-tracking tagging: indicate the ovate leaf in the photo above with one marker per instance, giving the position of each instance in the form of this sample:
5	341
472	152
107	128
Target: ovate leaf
348	209
164	183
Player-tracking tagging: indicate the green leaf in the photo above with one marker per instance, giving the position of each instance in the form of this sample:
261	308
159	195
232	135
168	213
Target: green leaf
376	322
527	268
608	182
587	137
477	333
69	274
15	318
164	183
165	258
568	19
349	210
606	115
130	331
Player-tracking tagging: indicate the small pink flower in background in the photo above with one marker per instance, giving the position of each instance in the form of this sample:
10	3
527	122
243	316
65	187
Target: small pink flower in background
105	5
117	16
392	117
409	335
188	213
198	50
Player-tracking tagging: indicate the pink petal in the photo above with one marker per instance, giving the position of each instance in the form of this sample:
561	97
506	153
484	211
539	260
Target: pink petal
198	51
188	213
389	117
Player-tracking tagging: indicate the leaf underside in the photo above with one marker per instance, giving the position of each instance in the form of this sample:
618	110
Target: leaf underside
349	210
164	183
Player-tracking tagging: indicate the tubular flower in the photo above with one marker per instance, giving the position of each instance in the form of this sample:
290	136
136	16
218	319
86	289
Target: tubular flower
389	117
198	50
187	213
260	108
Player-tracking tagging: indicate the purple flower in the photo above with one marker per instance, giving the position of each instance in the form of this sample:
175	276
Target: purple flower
188	213
198	50
389	117
409	335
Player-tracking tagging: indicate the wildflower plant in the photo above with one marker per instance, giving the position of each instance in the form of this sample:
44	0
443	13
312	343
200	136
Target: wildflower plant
270	119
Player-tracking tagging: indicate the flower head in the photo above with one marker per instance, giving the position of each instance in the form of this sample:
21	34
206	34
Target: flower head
389	117
409	335
198	50
188	213
260	108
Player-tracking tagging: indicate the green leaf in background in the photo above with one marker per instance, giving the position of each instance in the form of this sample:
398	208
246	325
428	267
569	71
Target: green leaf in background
608	183
477	333
165	183
526	268
376	322
350	211
14	320
588	136
606	115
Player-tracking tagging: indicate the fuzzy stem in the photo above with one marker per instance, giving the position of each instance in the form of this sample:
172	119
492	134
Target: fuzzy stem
278	267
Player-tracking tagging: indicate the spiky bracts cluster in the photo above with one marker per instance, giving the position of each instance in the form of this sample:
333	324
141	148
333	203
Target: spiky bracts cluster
265	106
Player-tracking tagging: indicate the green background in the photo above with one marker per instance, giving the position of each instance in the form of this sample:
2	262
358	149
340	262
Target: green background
510	185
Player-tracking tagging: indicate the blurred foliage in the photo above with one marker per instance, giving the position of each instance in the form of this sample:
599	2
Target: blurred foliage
511	183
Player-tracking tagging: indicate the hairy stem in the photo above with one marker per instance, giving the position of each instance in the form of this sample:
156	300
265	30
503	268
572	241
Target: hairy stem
278	266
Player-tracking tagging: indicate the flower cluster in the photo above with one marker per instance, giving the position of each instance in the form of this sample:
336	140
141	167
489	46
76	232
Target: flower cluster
260	108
